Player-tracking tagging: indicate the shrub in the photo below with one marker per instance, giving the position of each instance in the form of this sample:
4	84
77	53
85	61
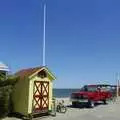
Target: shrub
4	101
6	88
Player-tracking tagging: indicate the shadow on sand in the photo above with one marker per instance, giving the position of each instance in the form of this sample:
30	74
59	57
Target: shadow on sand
84	105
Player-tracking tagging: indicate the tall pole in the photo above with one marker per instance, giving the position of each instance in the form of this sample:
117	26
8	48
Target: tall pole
118	86
44	30
117	91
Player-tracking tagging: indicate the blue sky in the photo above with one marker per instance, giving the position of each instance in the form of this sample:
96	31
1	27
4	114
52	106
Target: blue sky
82	39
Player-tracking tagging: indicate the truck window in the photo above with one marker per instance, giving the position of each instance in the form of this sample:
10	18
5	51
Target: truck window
92	89
84	88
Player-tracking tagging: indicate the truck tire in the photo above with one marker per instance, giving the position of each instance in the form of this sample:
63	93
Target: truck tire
74	104
91	104
105	102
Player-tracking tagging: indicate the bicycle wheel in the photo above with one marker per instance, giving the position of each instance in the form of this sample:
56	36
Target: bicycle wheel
63	109
58	109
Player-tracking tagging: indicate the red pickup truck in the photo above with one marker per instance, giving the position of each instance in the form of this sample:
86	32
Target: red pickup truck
91	94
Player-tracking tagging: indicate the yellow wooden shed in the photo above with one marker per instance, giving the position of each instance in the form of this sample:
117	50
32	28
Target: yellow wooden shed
32	94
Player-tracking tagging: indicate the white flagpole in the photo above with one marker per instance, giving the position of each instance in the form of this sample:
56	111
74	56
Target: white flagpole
44	30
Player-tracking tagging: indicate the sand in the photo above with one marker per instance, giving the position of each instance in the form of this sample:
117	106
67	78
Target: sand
111	111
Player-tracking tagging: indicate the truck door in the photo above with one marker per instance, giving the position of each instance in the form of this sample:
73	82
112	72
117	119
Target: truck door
97	94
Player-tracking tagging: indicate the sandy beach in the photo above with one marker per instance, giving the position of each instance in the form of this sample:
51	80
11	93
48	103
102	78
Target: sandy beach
111	111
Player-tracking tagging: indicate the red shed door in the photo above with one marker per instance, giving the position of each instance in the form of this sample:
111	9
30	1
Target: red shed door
41	96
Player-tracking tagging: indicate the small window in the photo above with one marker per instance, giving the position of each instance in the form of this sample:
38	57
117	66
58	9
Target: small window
42	74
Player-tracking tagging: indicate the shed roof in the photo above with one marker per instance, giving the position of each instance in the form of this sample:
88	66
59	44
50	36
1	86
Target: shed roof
26	73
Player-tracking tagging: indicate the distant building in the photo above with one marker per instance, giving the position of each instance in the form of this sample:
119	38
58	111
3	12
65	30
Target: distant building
3	71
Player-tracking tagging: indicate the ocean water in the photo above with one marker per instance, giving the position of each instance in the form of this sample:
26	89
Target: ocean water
63	92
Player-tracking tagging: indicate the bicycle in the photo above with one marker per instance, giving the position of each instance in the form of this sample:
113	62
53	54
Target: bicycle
61	108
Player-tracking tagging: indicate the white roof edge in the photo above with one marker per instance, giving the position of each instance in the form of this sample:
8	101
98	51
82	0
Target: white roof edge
3	67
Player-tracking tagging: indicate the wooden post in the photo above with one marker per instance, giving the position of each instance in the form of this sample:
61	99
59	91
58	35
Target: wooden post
117	87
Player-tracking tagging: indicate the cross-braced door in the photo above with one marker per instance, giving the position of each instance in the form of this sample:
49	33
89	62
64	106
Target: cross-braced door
41	96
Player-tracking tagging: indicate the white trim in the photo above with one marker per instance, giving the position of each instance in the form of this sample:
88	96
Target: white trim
42	69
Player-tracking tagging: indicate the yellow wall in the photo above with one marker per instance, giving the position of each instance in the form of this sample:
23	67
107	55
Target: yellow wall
23	94
20	97
31	89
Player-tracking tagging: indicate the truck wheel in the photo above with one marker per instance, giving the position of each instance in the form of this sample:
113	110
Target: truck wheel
74	104
91	104
105	102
